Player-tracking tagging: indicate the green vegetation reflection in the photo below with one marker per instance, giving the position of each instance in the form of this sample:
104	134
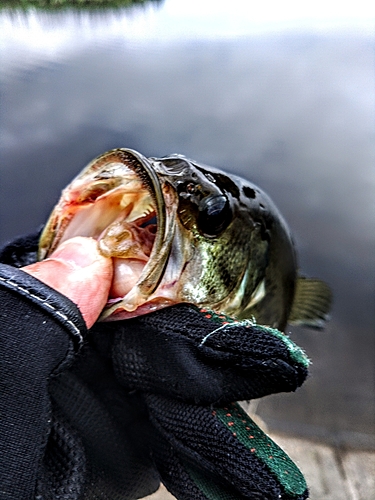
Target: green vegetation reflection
58	4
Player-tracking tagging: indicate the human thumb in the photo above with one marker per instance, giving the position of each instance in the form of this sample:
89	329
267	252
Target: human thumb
78	271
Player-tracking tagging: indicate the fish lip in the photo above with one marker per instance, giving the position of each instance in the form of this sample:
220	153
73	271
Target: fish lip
153	271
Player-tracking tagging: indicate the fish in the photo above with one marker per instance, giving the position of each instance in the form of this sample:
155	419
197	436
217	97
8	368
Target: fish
182	232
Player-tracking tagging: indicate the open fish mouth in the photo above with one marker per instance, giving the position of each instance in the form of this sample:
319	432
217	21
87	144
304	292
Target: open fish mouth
119	200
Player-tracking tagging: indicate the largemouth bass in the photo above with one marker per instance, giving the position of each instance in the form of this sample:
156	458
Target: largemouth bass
178	231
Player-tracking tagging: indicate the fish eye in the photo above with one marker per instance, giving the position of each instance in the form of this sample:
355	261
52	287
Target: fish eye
214	215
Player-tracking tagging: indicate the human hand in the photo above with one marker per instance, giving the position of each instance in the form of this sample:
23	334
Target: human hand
66	424
165	381
78	271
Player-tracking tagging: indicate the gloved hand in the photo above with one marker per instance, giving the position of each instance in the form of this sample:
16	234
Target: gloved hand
191	366
165	384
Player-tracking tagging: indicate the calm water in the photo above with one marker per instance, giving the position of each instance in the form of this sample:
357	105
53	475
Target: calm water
287	102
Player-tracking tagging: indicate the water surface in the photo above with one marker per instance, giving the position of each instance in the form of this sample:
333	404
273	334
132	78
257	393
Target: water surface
287	103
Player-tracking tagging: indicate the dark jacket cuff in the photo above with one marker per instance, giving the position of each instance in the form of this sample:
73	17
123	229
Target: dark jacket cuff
40	332
27	298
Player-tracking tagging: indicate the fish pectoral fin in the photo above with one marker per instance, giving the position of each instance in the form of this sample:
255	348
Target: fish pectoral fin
311	304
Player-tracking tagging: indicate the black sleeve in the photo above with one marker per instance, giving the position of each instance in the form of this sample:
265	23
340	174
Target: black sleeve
40	331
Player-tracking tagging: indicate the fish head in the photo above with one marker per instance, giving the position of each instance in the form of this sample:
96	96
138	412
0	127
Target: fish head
179	231
230	239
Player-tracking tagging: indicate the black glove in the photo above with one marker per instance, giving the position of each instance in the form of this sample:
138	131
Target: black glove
189	364
157	383
201	357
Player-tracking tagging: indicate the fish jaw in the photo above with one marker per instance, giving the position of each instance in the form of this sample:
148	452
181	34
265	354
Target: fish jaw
149	293
170	289
111	200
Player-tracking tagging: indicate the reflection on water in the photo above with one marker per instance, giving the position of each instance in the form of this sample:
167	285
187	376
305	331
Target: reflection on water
292	111
55	5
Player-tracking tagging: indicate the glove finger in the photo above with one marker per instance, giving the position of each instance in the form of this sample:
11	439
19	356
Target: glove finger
184	353
186	481
219	450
